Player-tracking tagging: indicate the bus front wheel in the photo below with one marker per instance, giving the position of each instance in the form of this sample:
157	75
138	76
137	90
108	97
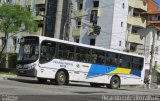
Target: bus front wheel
60	78
114	83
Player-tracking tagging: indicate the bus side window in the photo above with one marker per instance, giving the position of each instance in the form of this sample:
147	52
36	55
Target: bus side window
66	51
137	63
47	51
87	56
125	61
111	59
101	57
82	54
94	56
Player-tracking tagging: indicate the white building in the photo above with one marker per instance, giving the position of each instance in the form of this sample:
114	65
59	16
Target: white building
111	16
119	21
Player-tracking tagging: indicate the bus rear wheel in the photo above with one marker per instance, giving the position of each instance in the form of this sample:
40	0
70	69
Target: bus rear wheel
114	83
60	78
42	80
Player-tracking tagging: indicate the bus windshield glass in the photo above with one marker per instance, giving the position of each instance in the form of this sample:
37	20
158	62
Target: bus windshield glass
29	50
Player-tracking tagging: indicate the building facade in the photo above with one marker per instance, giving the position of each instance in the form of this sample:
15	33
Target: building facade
51	16
152	30
134	41
119	21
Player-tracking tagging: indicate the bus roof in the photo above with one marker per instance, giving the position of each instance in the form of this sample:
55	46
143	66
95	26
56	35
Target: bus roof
87	46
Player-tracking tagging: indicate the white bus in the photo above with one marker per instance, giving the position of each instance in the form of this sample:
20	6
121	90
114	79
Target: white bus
62	61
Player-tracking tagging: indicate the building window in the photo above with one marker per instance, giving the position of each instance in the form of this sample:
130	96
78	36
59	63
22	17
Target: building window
95	4
123	5
158	35
136	12
133	47
120	43
121	24
156	50
135	30
93	17
77	40
158	18
80	4
9	1
92	42
78	23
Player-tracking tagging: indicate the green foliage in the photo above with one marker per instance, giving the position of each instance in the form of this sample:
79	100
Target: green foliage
13	17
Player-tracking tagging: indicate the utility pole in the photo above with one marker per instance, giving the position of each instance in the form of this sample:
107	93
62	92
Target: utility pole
151	60
67	22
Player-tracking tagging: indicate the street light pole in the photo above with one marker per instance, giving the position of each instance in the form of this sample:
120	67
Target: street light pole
151	60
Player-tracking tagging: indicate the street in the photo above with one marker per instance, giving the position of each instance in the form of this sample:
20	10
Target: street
31	89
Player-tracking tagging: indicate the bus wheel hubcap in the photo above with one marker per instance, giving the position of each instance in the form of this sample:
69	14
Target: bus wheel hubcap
61	78
115	82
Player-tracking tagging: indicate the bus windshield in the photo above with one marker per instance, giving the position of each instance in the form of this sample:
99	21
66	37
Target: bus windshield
29	51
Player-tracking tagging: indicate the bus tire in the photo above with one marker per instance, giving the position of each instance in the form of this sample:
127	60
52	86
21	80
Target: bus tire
114	83
95	85
42	80
60	78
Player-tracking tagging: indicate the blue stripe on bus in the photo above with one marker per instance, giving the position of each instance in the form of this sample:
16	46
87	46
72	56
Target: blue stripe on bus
96	70
136	72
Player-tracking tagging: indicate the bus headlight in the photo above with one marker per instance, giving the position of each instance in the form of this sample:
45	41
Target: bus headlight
19	66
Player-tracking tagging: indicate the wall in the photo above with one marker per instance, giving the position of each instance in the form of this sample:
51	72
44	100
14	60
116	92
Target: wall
84	38
118	31
152	5
105	20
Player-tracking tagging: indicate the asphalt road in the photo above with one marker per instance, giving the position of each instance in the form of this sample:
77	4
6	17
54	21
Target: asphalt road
31	90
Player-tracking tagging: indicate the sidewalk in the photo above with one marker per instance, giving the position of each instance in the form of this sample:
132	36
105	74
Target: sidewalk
6	76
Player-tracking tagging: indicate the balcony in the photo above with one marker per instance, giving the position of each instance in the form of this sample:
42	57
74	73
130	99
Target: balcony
137	21
78	13
140	52
28	2
153	23
139	4
76	32
39	1
39	17
135	38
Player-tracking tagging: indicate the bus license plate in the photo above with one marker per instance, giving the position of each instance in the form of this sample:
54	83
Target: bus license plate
21	71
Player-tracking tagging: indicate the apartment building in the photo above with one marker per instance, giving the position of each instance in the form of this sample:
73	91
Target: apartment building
119	21
152	30
134	41
51	16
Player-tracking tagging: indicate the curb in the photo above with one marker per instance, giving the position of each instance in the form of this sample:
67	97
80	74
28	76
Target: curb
5	76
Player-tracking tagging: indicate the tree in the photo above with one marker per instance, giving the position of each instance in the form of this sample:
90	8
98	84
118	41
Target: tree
12	18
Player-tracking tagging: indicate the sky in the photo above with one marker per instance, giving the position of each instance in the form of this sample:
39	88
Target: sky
158	1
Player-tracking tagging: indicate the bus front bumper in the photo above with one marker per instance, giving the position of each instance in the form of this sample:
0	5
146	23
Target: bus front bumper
28	73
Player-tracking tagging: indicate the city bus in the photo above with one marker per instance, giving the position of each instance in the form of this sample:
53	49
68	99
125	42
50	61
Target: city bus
62	61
